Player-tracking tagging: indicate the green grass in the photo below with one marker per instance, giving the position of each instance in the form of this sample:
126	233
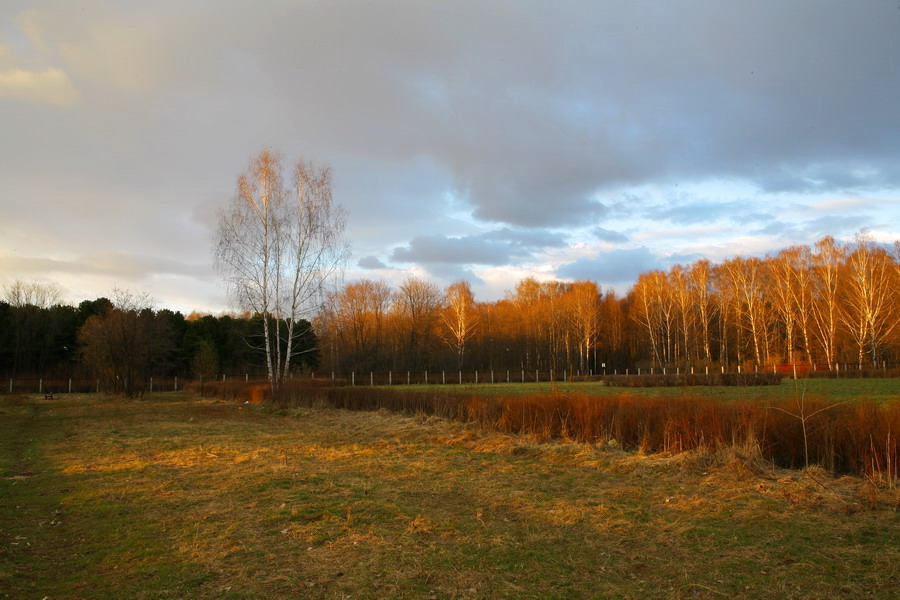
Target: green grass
173	497
880	390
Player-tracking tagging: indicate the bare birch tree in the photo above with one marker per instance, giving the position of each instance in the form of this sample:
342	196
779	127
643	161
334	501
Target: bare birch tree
869	306
584	314
826	268
703	300
277	249
459	317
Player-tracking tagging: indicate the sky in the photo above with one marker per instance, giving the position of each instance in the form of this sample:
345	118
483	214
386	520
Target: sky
480	140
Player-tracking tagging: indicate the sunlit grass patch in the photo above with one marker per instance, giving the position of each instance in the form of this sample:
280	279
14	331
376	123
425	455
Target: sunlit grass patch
877	389
196	499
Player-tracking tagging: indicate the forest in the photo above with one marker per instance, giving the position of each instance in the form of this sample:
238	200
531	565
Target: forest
828	304
123	341
825	304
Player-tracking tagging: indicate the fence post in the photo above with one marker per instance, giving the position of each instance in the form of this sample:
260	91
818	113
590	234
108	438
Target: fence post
41	385
523	375
460	378
247	376
536	376
98	385
492	376
70	385
407	378
371	378
353	378
639	371
476	377
444	377
176	383
426	377
390	378
151	384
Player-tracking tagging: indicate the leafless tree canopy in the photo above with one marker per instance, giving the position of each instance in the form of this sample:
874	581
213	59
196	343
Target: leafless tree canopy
278	247
42	295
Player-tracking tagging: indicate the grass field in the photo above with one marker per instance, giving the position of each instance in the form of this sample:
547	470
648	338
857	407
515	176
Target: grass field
830	389
174	497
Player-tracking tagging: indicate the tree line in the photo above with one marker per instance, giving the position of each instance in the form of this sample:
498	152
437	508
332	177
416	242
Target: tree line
123	341
826	303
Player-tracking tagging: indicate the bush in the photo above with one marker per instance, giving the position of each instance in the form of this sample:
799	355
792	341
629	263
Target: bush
853	373
672	380
858	437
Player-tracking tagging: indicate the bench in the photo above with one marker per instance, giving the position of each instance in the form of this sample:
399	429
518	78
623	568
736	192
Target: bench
48	396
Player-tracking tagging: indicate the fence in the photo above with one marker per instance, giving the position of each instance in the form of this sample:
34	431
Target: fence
474	377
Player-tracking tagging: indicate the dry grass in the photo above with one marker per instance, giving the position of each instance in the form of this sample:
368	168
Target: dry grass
168	498
858	437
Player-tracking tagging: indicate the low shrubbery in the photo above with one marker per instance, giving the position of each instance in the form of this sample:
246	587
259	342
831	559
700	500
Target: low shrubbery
853	373
679	380
859	437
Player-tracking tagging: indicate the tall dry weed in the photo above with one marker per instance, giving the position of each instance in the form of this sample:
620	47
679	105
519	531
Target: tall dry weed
859	437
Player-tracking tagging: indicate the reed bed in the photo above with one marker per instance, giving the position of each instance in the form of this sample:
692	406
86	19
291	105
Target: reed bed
858	437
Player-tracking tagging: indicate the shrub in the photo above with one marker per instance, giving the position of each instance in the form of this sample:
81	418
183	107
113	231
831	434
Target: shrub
858	437
853	373
673	380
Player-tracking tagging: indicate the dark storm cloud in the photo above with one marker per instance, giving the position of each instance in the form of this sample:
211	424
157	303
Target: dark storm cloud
613	267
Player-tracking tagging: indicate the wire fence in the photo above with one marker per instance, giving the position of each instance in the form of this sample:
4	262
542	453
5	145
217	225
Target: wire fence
155	384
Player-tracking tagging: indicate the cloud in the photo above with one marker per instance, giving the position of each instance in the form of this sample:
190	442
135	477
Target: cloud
704	211
453	273
121	265
855	204
682	233
530	240
608	235
371	262
613	267
459	117
47	86
439	249
498	247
